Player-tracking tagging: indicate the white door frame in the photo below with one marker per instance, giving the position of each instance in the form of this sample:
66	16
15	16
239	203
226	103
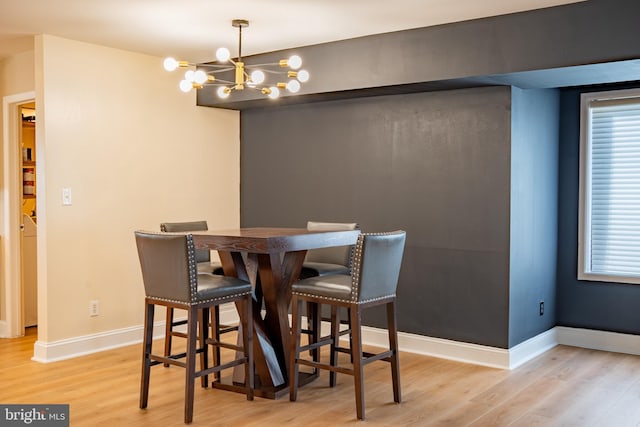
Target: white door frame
12	325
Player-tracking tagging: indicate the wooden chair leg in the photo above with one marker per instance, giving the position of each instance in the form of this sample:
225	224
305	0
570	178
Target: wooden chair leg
168	329
296	307
350	335
310	317
393	346
315	310
356	352
247	337
147	342
215	333
203	335
192	330
335	334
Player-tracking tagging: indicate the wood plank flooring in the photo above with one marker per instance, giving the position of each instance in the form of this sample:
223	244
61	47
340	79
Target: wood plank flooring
564	387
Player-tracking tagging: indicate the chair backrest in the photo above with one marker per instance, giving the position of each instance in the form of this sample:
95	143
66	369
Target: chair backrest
202	255
168	265
340	255
376	265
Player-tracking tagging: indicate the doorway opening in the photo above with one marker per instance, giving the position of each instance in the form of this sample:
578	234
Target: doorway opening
29	227
18	205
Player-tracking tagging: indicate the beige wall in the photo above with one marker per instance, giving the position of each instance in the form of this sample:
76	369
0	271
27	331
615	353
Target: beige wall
16	76
114	128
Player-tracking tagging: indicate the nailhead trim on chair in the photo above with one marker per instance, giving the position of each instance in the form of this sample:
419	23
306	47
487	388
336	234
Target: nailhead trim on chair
352	252
357	264
193	270
204	300
344	300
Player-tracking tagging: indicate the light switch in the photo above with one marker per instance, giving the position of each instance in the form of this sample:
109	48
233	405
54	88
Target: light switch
66	197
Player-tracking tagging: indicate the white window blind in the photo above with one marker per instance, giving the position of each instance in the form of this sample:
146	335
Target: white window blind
610	187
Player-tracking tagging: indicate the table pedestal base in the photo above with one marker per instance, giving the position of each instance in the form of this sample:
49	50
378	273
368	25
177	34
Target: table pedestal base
265	392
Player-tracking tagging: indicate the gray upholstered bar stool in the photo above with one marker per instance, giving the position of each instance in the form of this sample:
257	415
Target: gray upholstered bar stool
171	279
203	256
335	260
205	265
322	262
373	281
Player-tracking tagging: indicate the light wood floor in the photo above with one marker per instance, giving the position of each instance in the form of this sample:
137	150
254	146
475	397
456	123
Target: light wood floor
565	386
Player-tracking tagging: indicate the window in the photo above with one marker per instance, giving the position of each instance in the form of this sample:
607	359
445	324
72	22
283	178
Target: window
609	235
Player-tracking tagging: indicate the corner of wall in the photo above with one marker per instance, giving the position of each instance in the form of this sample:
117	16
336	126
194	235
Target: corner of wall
533	212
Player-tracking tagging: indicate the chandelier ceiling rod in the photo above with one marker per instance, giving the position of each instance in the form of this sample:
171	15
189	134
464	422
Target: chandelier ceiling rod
240	24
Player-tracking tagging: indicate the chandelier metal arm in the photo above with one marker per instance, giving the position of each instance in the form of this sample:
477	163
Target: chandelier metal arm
266	70
221	67
266	64
219	82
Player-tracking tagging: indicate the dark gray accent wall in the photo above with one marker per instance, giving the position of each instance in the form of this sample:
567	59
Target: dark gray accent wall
585	304
534	212
434	164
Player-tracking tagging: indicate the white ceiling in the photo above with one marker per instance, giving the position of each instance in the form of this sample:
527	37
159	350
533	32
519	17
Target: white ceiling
193	29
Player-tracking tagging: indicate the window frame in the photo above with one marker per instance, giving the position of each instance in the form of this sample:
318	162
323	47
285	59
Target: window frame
584	207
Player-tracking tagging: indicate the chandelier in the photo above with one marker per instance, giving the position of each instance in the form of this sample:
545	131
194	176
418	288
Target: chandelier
233	75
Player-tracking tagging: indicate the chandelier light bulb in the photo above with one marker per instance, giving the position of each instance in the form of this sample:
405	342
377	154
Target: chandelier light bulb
294	62
200	77
293	86
257	77
303	76
223	92
170	64
275	92
186	86
188	75
223	54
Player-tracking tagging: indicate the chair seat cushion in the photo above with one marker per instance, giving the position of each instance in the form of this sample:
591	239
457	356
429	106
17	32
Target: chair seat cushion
208	267
313	269
336	286
213	287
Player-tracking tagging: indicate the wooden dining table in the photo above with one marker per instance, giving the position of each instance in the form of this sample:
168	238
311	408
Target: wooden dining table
271	259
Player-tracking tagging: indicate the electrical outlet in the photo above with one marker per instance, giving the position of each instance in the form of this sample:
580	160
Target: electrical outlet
541	308
94	308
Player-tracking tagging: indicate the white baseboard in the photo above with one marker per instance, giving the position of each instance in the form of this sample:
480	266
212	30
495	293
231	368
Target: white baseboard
459	351
599	340
532	347
438	347
46	352
412	343
4	329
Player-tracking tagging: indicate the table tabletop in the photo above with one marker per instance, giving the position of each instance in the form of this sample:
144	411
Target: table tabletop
272	239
